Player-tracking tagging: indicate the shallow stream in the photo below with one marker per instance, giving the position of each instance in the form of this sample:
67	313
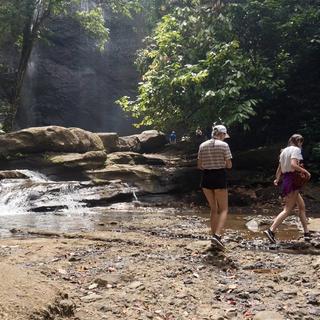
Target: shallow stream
65	212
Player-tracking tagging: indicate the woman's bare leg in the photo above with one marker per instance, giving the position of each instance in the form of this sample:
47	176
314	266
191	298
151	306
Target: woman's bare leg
290	202
211	198
302	213
222	202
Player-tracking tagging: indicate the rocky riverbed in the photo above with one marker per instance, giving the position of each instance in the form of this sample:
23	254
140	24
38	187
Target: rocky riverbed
96	226
138	268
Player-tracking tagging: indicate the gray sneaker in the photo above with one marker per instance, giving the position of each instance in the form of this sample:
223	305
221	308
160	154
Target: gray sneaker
270	236
216	242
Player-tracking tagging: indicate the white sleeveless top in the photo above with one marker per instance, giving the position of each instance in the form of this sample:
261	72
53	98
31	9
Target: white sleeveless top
286	155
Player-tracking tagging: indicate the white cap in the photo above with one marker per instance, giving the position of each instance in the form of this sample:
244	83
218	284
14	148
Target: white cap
220	128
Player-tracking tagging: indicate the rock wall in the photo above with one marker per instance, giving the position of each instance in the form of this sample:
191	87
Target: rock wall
70	83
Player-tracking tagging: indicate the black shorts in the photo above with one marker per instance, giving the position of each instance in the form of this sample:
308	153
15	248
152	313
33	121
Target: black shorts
214	179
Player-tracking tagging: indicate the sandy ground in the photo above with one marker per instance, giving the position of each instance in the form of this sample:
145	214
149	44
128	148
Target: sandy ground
134	270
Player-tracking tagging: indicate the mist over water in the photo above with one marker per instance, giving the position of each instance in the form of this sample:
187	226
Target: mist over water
70	83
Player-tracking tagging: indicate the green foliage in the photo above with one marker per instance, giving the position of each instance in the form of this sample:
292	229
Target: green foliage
123	7
23	22
196	72
239	61
93	23
16	16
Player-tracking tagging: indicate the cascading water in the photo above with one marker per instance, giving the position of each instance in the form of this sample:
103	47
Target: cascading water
20	196
13	202
71	199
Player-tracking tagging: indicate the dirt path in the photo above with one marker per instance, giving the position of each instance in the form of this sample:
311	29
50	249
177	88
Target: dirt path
126	274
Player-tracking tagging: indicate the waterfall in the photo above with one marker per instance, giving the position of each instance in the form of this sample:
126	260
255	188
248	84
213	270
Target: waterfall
71	198
133	190
20	196
84	5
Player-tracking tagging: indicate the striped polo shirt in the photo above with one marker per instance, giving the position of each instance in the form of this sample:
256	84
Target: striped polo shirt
213	154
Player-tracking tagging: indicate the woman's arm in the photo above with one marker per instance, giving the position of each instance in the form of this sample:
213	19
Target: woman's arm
278	175
228	164
199	164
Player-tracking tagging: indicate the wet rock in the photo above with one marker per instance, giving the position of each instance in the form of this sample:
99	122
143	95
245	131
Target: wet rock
253	225
12	174
268	315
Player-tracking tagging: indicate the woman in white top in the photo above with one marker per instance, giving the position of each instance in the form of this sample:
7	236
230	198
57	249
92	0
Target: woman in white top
289	162
214	157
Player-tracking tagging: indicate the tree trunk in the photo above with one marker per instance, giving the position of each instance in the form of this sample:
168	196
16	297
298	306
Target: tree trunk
15	99
32	26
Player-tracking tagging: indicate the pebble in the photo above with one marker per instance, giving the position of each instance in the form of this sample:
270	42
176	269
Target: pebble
268	315
135	284
91	297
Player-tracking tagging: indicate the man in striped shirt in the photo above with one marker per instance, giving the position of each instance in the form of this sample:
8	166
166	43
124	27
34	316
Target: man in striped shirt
214	157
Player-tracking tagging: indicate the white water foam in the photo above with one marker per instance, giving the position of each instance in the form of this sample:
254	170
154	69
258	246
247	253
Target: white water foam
17	195
70	197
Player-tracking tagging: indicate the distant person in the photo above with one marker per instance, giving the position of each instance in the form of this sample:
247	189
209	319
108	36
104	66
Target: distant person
173	137
214	157
199	133
289	166
208	133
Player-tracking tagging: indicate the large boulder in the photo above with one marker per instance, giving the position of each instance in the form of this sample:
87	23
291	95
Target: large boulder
88	160
262	159
110	140
132	158
150	179
49	139
147	141
129	143
152	140
128	157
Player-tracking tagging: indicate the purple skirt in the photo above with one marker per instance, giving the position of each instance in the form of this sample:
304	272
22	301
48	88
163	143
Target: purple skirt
288	185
